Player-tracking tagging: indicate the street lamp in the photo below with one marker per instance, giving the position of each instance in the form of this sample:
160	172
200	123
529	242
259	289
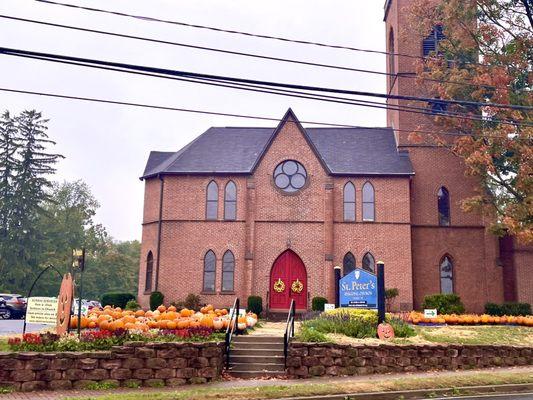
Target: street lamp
78	262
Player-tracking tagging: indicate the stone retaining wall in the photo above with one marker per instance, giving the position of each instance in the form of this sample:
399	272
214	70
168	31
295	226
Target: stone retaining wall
313	359
131	365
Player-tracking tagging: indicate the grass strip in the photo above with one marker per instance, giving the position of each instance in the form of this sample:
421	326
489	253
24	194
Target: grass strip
372	384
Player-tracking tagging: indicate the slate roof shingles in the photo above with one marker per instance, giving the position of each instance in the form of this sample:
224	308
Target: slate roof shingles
345	151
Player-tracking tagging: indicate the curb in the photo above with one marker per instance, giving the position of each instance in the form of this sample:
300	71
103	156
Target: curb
425	393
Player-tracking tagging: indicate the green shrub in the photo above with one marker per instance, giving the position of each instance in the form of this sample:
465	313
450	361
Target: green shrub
116	299
192	302
367	316
132	305
345	321
255	304
401	328
508	309
444	303
156	299
317	304
309	334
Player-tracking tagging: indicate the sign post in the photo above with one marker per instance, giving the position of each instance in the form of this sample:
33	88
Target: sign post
381	292
337	270
79	262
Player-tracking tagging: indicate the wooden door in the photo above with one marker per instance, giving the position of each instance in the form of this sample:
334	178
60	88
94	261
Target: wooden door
288	280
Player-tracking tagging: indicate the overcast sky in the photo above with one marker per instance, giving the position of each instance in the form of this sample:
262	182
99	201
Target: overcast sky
107	145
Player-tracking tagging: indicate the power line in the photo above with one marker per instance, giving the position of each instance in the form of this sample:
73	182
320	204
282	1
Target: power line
282	92
19	52
253	55
246	116
235	32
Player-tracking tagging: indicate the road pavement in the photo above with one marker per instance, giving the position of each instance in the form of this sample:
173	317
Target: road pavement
14	326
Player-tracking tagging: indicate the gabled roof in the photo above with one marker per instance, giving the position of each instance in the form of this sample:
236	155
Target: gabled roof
238	150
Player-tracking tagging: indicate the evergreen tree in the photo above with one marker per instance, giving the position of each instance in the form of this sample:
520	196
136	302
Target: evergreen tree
9	145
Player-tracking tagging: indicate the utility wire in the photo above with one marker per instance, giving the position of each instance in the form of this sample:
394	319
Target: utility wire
235	32
468	82
19	52
286	92
255	117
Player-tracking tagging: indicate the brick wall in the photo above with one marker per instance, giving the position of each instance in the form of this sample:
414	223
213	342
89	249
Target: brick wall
134	364
473	250
311	359
269	222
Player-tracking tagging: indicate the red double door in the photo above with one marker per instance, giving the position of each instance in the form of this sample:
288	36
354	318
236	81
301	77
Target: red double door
288	280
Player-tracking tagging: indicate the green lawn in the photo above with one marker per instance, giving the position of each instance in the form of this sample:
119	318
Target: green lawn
3	344
505	335
373	384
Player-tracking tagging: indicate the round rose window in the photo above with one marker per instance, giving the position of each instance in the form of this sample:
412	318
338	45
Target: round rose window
290	176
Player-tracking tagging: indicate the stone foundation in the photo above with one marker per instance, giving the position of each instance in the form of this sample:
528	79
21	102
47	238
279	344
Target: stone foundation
134	364
312	359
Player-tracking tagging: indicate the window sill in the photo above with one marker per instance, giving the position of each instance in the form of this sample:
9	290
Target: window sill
227	292
147	292
208	293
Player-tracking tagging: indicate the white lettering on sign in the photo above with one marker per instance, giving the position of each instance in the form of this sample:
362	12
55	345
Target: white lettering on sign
430	313
42	310
329	306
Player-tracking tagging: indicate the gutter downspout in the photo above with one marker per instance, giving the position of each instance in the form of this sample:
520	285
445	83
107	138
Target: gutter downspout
159	230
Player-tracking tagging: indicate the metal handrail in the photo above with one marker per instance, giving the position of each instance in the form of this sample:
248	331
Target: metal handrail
289	330
233	328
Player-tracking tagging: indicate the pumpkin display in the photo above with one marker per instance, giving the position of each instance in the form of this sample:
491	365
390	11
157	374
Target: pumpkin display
113	319
470	319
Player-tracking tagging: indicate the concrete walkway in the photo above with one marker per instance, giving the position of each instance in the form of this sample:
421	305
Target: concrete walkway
239	383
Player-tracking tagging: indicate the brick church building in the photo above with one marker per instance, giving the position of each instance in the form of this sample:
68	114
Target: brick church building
245	211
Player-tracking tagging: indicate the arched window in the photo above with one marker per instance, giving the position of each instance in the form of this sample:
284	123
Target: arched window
149	272
368	202
431	43
210	262
211	207
230	201
443	204
392	68
446	275
369	264
348	264
349	202
228	271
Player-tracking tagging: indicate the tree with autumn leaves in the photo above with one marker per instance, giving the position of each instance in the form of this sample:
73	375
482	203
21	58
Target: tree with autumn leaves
485	56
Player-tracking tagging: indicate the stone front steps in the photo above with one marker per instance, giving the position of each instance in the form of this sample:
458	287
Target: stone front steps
254	356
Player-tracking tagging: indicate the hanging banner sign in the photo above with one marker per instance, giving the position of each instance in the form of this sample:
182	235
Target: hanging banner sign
358	289
42	310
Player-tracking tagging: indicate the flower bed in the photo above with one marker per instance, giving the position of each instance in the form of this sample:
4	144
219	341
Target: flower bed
470	319
107	327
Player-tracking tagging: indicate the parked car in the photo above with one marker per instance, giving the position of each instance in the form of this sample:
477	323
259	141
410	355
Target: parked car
14	305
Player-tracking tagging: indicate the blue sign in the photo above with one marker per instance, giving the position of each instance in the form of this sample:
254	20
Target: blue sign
358	289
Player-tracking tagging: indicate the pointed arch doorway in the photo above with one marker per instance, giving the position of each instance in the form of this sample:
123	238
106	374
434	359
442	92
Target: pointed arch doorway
288	269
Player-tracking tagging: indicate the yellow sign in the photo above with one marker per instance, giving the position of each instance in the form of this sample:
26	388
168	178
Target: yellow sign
42	310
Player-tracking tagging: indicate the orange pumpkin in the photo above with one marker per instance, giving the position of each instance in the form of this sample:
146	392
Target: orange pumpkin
152	324
194	324
92	324
162	324
73	322
104	325
172	324
207	322
183	323
139	313
171	308
161	308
